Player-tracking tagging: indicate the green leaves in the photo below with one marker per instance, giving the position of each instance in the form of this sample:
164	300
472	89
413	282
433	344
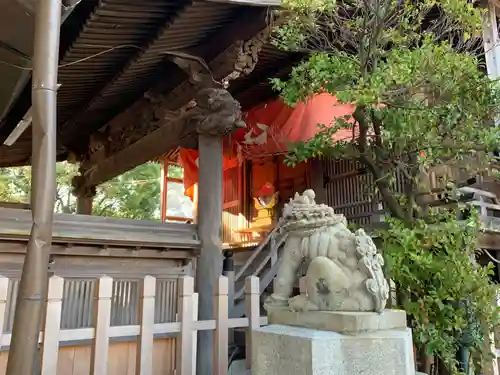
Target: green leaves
420	102
135	194
446	289
410	71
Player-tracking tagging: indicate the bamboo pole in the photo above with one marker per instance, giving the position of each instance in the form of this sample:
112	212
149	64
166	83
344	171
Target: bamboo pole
31	299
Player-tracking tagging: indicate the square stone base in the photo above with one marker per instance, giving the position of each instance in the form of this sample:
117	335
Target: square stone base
339	321
287	350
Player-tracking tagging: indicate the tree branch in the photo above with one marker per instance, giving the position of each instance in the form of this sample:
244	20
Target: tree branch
372	165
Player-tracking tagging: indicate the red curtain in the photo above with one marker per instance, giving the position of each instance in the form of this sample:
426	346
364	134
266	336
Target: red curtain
271	128
189	161
284	125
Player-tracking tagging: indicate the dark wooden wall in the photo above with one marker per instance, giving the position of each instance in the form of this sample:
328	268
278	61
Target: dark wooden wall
348	188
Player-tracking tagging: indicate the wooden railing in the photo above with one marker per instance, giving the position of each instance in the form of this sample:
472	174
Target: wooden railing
101	332
263	263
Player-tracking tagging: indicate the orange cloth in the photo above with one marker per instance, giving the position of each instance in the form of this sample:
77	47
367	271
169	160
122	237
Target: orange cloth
188	159
285	125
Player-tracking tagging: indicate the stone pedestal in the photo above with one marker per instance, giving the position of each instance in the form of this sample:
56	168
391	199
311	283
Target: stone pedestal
338	343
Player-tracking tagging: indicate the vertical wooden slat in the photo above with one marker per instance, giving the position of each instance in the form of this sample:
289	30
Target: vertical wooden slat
89	305
11	304
80	303
230	301
221	314
174	300
144	362
185	346
69	303
4	293
127	295
252	310
195	332
102	320
50	345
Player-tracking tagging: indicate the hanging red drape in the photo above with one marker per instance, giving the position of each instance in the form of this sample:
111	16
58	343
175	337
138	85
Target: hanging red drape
189	160
271	128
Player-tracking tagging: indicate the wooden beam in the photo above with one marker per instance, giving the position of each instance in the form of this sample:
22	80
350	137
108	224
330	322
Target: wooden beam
15	224
89	250
223	109
19	205
169	78
259	90
172	128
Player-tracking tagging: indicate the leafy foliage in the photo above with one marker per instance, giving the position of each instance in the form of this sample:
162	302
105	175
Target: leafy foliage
134	195
419	96
412	73
447	295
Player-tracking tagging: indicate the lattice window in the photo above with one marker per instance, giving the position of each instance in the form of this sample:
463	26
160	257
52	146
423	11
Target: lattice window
350	191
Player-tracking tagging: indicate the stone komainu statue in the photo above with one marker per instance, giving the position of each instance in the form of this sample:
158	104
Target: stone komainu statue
344	269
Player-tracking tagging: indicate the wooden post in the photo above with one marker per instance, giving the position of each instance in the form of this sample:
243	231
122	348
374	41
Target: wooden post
221	314
4	288
228	271
84	199
194	332
144	361
317	179
252	310
185	343
50	345
209	265
102	320
84	205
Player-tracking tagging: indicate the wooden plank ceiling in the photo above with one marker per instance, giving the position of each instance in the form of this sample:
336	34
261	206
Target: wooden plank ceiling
113	51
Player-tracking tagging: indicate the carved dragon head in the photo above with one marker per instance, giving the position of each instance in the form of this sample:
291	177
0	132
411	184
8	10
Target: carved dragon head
219	113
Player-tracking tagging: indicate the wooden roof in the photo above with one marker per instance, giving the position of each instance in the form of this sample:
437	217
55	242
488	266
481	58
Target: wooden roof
132	39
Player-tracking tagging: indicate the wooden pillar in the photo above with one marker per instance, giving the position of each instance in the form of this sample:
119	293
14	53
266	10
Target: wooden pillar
209	264
228	271
317	179
84	205
84	197
84	194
